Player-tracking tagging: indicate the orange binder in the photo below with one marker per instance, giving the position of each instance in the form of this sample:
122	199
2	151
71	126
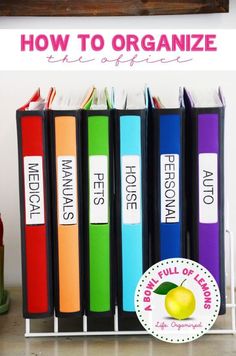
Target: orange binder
67	227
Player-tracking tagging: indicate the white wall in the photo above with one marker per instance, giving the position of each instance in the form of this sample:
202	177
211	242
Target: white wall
16	88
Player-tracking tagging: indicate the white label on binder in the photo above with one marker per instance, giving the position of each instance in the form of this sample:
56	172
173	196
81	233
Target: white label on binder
208	185
34	190
98	189
131	189
67	190
169	188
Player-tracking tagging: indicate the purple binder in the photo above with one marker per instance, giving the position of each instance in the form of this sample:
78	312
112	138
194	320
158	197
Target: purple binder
208	232
205	187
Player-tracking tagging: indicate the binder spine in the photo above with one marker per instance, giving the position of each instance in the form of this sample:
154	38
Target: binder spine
207	223
131	227
68	288
33	148
167	164
221	211
99	234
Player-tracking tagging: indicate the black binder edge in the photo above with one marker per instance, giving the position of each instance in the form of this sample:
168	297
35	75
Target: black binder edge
43	114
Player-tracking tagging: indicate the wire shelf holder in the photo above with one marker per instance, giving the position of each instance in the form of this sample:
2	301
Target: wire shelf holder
229	307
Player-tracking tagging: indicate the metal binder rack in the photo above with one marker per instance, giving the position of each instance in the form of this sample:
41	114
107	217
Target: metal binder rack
230	308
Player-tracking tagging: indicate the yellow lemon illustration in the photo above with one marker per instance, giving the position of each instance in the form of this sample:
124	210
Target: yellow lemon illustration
180	303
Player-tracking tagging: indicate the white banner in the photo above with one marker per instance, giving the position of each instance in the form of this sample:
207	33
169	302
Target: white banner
131	189
34	190
67	190
118	49
169	188
98	190
208	188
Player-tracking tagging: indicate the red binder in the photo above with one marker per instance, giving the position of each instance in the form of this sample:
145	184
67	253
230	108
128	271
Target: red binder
32	127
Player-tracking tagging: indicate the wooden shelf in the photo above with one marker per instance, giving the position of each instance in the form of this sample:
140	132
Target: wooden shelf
109	7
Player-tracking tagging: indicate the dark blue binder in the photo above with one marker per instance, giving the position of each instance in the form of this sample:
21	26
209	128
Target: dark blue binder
167	187
170	191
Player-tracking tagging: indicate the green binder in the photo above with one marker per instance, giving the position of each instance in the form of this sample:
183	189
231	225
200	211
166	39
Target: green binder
98	200
99	232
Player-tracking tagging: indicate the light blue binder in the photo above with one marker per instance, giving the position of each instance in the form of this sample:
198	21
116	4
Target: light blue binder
131	234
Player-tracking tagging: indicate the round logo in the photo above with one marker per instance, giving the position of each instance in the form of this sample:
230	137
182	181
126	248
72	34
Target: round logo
177	300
